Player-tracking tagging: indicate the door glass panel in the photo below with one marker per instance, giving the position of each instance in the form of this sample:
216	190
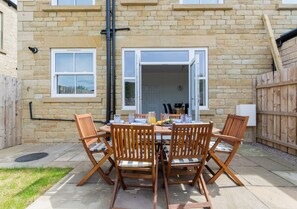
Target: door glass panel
64	62
202	89
165	56
129	93
192	102
202	67
66	84
85	84
129	64
84	62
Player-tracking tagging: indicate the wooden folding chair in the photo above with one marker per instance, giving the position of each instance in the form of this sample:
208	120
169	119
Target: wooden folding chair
94	143
227	142
188	149
135	157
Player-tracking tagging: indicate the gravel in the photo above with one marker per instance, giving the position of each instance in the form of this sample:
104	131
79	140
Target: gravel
281	154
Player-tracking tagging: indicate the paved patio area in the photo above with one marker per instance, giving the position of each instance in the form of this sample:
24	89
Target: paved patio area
270	181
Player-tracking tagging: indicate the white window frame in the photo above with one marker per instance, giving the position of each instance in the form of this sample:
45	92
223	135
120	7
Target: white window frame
198	2
138	55
289	2
54	74
55	3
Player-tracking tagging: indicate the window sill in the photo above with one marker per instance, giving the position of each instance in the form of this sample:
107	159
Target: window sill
2	52
200	7
47	8
286	6
138	2
72	100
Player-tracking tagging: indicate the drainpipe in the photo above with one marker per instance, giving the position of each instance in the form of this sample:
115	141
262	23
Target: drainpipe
113	59
108	62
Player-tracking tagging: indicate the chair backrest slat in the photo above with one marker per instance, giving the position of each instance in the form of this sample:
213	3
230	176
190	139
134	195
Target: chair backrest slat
133	142
235	125
190	140
86	127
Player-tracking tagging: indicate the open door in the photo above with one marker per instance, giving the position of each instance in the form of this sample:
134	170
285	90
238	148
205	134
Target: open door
138	86
194	97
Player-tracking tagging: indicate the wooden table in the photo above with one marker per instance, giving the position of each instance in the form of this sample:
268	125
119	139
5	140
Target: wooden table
158	129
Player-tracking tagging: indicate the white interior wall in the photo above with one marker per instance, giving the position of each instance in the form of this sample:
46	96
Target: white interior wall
163	84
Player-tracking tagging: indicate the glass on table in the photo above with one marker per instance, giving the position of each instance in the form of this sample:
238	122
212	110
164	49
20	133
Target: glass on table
188	118
131	118
117	118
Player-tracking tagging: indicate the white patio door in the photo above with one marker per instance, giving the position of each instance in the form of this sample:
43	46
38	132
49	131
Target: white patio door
194	97
138	86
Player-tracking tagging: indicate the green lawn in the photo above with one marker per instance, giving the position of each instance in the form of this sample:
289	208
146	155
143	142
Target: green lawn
21	186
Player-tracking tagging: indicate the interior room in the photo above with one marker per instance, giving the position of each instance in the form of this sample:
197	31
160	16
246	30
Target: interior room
163	84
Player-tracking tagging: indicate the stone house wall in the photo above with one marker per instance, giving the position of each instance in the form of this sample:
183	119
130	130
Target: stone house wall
234	34
8	54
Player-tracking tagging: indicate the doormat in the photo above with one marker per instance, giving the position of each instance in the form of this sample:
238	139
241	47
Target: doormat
31	157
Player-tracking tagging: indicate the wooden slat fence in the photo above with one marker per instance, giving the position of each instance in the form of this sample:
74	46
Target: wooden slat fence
276	95
10	112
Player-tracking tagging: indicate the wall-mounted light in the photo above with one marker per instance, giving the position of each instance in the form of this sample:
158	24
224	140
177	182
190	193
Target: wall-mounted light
34	50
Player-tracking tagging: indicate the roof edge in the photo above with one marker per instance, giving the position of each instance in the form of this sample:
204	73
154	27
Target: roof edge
286	36
11	4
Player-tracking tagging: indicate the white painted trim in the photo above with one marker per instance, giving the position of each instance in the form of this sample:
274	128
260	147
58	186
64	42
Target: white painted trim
198	2
54	74
289	1
55	2
138	53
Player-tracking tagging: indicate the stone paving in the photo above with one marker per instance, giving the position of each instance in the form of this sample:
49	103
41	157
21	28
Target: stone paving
270	181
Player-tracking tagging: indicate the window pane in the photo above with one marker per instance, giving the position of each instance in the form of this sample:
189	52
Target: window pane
290	1
129	93
65	2
190	1
129	64
64	62
66	84
83	62
84	2
209	1
85	84
165	56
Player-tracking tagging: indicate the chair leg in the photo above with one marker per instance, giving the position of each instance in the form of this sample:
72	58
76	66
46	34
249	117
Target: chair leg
165	181
114	193
224	168
156	183
205	191
100	171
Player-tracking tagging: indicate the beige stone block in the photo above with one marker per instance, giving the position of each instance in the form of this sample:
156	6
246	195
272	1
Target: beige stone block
25	16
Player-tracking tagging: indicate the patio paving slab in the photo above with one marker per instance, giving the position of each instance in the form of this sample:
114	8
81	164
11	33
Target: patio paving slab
270	181
276	197
259	176
290	176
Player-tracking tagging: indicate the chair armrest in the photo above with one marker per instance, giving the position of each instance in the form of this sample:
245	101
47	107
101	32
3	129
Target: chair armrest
227	138
89	137
102	134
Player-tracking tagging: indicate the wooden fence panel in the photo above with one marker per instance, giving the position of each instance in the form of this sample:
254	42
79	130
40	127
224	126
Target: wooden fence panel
10	119
292	107
277	109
